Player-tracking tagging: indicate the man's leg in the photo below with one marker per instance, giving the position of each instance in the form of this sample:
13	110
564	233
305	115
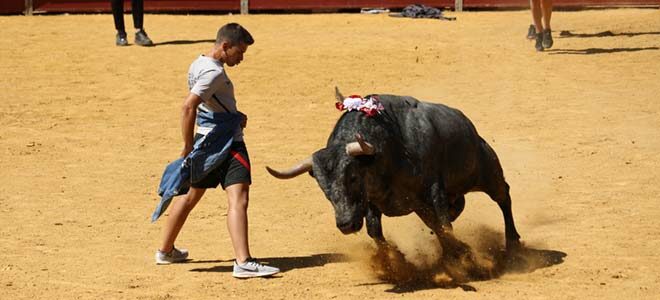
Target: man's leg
237	222
178	215
238	196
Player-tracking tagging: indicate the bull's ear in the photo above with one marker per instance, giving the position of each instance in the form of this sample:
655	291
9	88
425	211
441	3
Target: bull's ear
338	95
311	173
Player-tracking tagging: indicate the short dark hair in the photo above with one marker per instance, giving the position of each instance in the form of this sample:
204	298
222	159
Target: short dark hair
234	33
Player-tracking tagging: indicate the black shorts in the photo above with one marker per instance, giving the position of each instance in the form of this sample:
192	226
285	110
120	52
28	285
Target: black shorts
236	169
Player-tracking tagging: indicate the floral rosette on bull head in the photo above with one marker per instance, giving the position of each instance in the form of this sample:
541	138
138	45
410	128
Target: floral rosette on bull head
369	105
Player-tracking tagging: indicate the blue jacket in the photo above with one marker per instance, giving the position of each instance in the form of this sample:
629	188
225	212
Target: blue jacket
208	153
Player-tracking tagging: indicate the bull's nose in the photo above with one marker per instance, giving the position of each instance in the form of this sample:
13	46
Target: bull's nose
349	227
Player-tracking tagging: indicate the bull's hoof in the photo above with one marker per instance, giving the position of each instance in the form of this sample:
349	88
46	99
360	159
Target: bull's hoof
466	267
514	246
391	265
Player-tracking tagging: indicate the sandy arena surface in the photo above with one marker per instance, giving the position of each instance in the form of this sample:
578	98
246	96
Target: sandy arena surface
86	129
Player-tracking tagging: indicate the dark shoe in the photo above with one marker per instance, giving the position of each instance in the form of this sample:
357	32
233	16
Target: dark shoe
547	39
142	39
539	41
531	32
121	39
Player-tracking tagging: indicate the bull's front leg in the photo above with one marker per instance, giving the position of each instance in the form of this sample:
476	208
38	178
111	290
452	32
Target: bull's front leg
435	214
456	207
389	262
374	225
441	208
457	255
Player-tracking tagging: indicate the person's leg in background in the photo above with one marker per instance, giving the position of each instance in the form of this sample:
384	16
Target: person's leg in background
118	16
137	8
547	30
141	37
537	14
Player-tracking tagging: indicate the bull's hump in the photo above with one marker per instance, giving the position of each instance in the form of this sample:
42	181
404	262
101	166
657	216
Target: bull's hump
398	102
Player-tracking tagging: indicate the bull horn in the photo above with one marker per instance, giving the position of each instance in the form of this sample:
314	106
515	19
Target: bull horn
338	95
302	167
361	147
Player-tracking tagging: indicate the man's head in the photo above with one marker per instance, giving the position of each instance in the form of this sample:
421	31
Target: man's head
231	43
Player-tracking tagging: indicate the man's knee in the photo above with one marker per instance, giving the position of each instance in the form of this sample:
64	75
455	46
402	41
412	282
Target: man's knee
238	195
193	196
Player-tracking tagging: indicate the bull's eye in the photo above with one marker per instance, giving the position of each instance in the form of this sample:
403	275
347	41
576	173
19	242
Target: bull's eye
365	159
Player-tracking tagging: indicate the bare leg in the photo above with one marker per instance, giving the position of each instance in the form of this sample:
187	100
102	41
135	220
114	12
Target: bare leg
178	215
237	220
547	13
537	13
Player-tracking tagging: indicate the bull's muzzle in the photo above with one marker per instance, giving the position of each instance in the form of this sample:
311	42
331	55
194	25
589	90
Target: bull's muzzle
351	226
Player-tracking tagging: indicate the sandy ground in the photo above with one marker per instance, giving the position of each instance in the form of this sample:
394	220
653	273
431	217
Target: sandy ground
86	129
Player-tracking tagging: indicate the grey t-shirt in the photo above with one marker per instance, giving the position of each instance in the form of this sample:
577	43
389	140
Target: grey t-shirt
208	80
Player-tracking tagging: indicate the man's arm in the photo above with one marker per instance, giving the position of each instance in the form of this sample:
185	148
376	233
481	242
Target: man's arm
188	116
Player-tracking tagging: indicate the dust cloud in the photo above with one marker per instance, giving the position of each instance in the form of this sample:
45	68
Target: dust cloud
415	259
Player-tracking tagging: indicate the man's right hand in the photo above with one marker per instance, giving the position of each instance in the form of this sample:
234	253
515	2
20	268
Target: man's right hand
188	115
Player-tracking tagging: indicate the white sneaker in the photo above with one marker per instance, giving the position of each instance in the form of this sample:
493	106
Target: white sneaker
174	256
251	268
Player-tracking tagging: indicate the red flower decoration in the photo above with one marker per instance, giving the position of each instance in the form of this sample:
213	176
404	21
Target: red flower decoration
370	106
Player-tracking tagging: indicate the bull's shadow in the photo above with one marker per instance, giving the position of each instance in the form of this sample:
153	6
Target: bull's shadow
391	267
283	263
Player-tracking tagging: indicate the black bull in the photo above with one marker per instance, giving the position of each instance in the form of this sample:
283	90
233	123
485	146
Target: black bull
412	157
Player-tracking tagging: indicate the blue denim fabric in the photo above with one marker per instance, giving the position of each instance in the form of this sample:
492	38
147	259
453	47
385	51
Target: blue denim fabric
208	153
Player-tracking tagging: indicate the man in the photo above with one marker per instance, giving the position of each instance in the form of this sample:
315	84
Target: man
211	101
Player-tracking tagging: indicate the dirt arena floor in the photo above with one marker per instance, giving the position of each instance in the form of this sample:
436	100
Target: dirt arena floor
86	129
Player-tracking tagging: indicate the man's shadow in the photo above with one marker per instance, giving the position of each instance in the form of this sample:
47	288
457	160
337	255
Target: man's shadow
183	42
283	263
589	51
